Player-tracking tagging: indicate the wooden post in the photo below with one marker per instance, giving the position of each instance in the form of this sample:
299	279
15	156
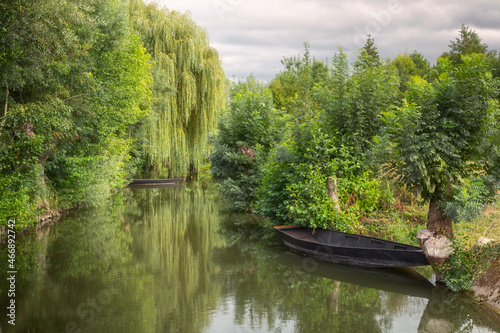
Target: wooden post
331	185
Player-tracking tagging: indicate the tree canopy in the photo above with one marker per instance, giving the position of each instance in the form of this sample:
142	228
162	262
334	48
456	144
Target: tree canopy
466	43
93	92
445	131
188	88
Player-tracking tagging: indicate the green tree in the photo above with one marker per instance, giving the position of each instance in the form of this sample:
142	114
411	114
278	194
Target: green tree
445	131
353	99
406	69
467	43
75	80
370	56
422	65
246	134
188	89
36	38
292	88
495	63
409	65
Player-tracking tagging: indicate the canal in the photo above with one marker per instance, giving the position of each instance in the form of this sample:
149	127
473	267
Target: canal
174	260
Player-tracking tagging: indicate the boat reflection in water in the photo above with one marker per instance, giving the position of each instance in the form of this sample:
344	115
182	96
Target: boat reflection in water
400	280
445	311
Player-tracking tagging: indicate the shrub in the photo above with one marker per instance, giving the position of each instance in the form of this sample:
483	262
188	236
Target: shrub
468	199
15	202
246	134
293	189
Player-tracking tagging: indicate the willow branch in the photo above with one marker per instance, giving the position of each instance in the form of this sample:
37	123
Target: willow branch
76	96
6	102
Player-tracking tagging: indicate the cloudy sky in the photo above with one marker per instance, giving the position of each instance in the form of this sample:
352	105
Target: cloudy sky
252	37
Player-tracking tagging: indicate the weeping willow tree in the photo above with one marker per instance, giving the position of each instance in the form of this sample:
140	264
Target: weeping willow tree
188	88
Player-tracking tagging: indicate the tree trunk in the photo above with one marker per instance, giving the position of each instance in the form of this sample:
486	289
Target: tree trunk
437	222
331	185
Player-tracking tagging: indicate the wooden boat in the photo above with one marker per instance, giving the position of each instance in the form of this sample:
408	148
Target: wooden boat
351	249
156	182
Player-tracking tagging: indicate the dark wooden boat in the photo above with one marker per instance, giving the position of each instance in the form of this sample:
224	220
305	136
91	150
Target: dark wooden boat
351	249
156	182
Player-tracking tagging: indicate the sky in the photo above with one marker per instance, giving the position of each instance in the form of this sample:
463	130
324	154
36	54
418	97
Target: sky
252	37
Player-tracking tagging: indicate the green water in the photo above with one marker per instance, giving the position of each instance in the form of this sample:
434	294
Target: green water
171	260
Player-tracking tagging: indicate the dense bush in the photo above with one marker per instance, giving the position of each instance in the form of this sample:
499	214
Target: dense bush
246	134
294	186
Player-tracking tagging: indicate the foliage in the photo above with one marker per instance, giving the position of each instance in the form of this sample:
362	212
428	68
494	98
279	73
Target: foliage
16	203
369	55
330	143
292	88
467	201
467	43
406	68
75	81
364	193
354	100
442	131
294	191
422	65
465	266
246	134
188	88
39	40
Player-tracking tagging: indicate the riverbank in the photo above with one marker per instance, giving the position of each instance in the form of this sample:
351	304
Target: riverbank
42	221
473	268
487	288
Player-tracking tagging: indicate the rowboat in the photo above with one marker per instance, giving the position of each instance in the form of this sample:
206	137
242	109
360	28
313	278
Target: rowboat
156	181
350	249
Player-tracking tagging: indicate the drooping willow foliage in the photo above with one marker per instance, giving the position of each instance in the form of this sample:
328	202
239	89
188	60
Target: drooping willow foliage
188	88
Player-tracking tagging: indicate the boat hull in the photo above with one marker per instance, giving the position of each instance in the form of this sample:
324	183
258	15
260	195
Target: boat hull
351	249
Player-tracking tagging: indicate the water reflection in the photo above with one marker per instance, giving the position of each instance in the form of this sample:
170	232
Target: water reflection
169	260
448	312
403	280
175	232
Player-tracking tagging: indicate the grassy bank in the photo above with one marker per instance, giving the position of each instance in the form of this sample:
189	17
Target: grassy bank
407	214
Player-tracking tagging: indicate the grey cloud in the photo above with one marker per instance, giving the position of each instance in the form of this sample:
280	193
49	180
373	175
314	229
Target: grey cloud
253	36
